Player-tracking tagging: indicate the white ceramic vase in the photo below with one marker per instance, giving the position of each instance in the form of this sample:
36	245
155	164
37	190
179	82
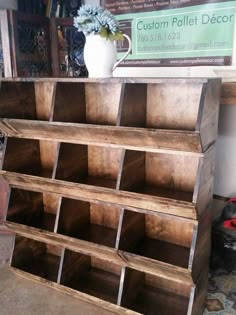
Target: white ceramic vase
100	56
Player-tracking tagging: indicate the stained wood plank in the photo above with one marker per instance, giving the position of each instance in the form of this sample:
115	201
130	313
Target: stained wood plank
228	93
132	170
4	192
203	191
122	137
72	166
17	100
132	230
201	246
69	103
184	81
103	103
166	104
208	124
45	97
86	192
198	300
134	100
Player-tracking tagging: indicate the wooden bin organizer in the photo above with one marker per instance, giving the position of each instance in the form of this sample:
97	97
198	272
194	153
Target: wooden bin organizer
131	234
122	289
110	185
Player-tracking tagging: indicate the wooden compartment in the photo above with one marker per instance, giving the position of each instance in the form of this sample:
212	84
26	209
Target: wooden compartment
164	105
151	295
28	156
36	258
32	209
17	100
92	165
69	103
160	174
160	237
93	222
79	102
91	275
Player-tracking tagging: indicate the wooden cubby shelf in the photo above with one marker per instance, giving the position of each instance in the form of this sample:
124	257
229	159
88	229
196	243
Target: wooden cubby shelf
91	165
97	223
91	275
158	238
145	294
110	104
32	209
141	234
37	258
110	185
128	288
27	156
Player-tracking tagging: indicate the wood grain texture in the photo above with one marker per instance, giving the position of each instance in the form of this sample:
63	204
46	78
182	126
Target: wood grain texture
103	103
103	162
173	105
171	172
141	139
132	170
74	216
132	230
48	156
210	114
70	103
228	93
72	162
201	249
203	191
199	295
92	193
45	98
4	192
134	101
154	80
22	156
17	100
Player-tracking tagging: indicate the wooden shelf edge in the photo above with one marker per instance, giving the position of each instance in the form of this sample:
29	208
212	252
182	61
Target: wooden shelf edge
100	194
141	139
120	258
76	294
182	80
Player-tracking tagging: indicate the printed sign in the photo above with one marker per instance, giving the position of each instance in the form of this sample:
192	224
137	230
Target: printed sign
176	32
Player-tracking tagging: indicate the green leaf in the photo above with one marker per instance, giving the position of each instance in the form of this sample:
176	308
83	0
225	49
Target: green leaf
104	33
117	36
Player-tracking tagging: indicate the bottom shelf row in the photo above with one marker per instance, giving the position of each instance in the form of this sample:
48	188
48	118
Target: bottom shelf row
135	290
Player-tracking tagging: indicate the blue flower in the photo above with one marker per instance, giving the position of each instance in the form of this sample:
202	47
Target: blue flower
96	20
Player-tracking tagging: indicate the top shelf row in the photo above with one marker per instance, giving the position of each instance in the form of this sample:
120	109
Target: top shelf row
167	104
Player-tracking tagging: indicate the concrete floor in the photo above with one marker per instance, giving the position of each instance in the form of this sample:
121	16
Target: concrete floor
20	296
